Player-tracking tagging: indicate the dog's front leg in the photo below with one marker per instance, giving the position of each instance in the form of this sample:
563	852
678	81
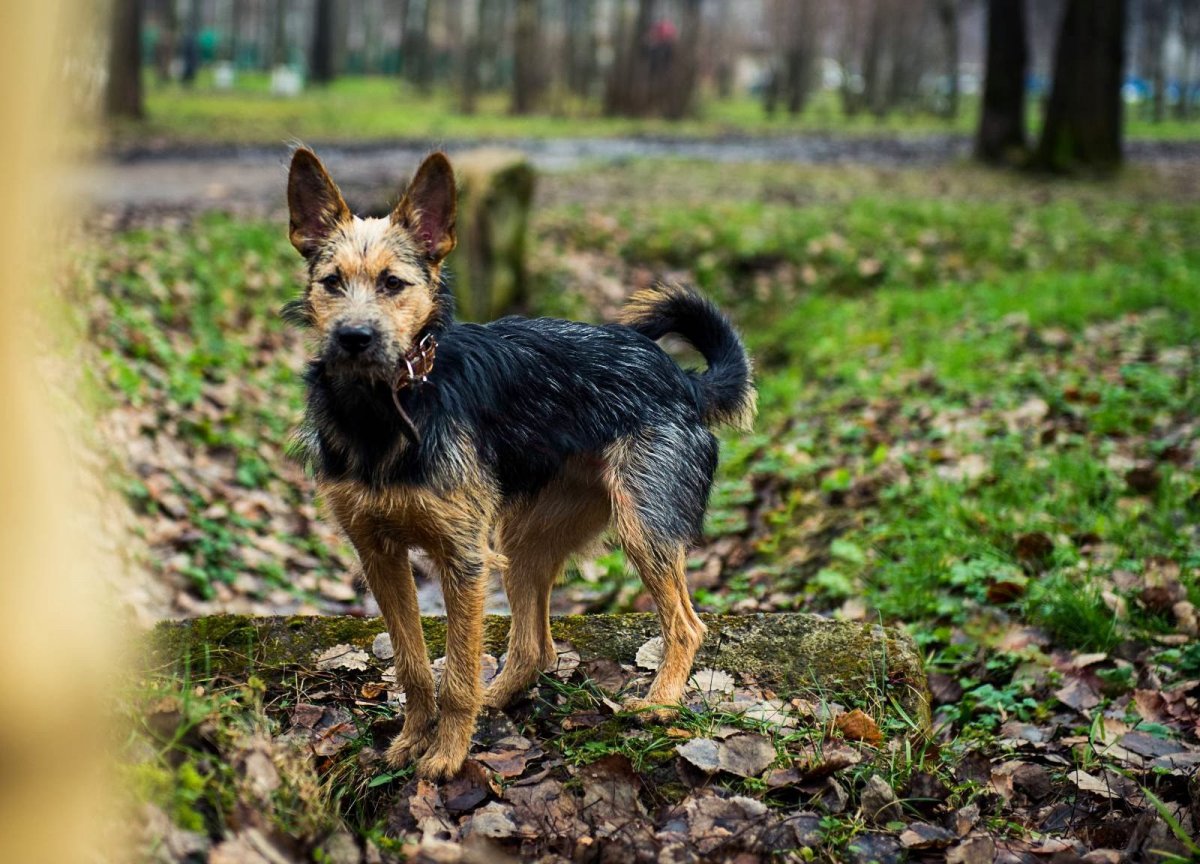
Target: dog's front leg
464	582
389	576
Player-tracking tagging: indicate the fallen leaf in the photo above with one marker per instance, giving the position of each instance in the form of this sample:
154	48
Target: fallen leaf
343	657
858	726
919	835
650	655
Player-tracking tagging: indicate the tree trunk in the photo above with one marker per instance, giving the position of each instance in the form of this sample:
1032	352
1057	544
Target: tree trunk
191	44
168	33
417	58
1189	31
1083	116
1153	56
321	57
947	12
527	58
123	95
681	76
629	83
1002	118
279	46
580	47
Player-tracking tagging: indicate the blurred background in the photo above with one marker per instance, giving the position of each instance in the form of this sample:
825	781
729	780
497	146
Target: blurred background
960	237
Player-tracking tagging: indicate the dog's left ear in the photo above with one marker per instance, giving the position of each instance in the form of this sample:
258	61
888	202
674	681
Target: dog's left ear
429	206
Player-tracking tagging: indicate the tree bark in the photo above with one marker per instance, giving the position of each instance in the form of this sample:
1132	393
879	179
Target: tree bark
681	77
321	56
947	12
528	79
279	46
1189	32
1084	114
1153	54
1002	118
168	32
123	95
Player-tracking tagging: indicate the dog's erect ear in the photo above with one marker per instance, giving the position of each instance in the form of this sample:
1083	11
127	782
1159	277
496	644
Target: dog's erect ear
314	202
429	206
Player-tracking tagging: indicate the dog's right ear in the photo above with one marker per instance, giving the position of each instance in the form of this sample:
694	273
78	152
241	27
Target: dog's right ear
315	205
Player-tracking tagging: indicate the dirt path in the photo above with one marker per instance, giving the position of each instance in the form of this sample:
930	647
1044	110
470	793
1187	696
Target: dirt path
252	178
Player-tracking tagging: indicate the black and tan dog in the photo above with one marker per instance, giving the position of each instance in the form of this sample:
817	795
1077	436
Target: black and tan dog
504	446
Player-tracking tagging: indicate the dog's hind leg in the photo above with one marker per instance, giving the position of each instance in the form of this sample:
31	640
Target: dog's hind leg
662	566
537	539
659	484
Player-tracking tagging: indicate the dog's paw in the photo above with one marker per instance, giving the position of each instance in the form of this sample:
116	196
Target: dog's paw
441	763
503	691
409	745
646	711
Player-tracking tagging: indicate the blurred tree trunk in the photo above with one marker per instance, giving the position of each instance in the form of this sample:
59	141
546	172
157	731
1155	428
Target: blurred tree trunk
321	66
849	55
469	71
629	82
872	63
191	44
681	75
528	78
1083	116
947	13
1189	33
725	42
580	46
279	46
123	94
168	32
1002	118
415	44
1153	54
795	28
238	13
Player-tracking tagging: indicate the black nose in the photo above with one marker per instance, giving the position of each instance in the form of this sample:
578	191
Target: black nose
354	339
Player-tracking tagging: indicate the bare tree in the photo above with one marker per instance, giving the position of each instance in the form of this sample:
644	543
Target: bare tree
947	15
279	46
794	26
676	97
1153	53
123	94
528	76
1083	115
168	32
1188	13
321	58
1002	119
580	47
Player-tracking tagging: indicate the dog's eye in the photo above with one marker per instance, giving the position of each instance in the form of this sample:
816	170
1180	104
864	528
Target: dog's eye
332	282
393	284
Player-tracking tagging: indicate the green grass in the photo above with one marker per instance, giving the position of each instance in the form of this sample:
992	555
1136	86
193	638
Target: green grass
380	108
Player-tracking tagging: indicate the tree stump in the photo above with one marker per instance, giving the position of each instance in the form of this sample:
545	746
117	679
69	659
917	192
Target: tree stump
495	195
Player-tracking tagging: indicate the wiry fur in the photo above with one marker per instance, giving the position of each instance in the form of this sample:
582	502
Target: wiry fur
534	436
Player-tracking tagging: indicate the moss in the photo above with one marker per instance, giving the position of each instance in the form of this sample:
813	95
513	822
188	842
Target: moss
790	653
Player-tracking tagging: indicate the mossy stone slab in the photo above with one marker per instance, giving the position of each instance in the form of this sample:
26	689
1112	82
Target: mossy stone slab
790	653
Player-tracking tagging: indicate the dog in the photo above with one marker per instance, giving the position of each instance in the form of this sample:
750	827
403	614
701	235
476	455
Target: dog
506	446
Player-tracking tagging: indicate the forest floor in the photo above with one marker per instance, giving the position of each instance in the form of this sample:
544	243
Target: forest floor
978	421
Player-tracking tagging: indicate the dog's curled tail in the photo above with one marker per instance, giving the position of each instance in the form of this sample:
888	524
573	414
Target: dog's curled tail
726	388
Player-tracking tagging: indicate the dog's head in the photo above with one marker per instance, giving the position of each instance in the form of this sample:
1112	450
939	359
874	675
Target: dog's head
374	285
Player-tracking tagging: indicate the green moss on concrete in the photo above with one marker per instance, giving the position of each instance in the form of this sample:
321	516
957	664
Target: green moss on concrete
791	653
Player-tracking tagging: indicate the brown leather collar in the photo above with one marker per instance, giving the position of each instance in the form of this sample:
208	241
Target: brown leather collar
415	366
417	363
